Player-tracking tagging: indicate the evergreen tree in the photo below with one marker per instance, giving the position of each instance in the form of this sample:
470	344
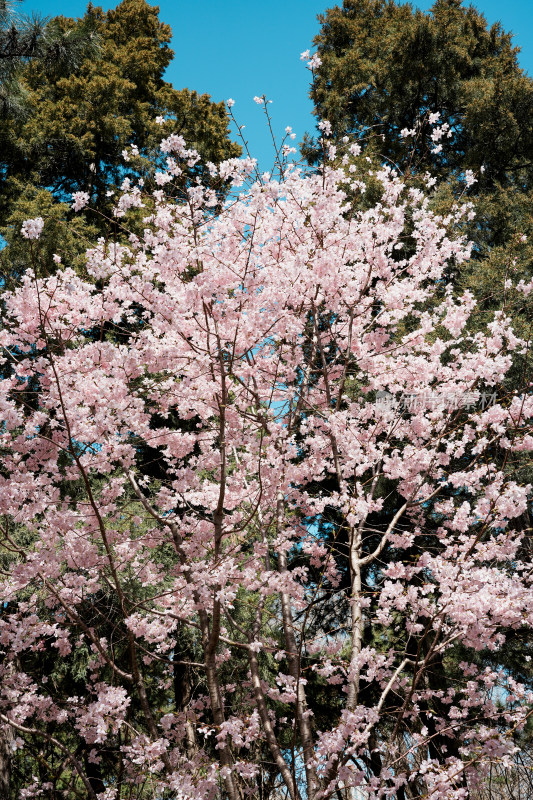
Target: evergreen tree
81	126
24	38
385	67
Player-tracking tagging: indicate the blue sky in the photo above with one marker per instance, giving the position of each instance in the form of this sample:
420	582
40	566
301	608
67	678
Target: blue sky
242	48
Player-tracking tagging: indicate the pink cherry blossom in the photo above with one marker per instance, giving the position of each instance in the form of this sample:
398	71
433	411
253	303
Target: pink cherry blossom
264	452
32	228
80	200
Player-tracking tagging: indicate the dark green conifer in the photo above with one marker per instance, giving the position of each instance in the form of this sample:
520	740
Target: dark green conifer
386	66
78	124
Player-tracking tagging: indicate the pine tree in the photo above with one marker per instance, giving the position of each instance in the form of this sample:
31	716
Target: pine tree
386	66
81	124
31	38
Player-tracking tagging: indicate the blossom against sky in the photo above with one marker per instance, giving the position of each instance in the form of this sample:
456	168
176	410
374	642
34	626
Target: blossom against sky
244	48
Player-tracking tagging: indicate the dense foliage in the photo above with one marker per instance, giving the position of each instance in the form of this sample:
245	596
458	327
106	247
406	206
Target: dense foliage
24	39
383	67
81	124
258	488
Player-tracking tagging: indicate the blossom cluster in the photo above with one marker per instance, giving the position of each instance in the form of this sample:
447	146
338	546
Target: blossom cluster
205	497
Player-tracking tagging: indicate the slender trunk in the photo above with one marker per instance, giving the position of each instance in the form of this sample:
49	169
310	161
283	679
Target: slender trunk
357	619
94	775
6	739
267	726
182	696
209	637
293	658
216	707
259	694
143	698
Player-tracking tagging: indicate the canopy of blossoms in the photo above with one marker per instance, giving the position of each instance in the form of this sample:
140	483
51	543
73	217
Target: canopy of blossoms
331	516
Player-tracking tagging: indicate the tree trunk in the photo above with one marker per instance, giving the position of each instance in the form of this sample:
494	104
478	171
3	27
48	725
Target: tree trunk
6	739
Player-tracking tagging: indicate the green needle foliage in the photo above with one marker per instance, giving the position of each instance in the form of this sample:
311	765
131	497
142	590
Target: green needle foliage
386	66
32	38
79	123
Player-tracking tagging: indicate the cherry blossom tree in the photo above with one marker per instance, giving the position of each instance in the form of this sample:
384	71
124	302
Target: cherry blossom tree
331	516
